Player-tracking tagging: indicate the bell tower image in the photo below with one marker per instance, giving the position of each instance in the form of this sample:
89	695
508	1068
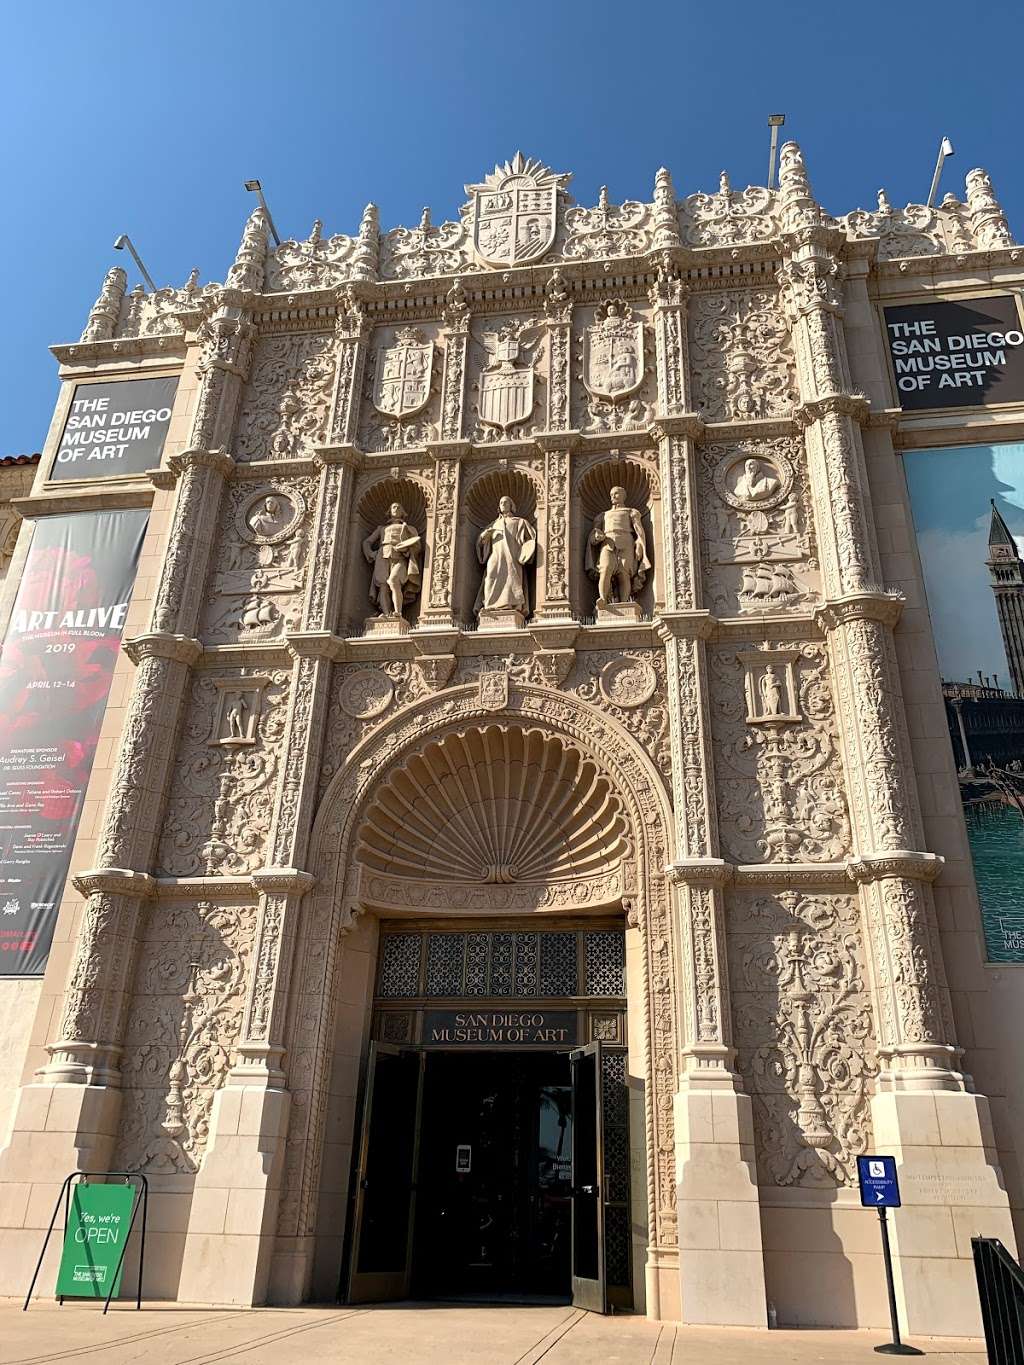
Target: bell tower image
1007	571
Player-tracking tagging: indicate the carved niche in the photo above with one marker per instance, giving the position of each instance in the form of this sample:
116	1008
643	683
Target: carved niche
742	366
803	1031
222	794
780	784
184	1019
758	528
288	397
257	585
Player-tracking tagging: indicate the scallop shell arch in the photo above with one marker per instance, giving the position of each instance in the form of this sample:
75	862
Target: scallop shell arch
495	804
481	495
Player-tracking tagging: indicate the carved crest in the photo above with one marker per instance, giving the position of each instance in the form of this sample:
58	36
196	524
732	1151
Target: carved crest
613	352
506	388
515	212
401	384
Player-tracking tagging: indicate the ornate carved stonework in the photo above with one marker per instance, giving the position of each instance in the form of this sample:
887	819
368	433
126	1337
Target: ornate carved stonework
741	357
803	1032
284	413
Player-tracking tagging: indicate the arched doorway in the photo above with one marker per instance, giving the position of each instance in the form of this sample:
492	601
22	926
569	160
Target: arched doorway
461	822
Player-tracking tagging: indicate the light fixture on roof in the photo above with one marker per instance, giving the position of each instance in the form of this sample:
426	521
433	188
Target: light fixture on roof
125	241
254	187
945	149
775	122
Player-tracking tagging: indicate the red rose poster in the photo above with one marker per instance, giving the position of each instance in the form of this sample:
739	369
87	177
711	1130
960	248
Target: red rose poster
56	667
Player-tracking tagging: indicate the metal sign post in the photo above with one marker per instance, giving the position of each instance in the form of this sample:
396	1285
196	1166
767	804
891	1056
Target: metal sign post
879	1189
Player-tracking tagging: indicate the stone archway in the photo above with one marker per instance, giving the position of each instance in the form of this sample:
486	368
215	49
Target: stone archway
625	806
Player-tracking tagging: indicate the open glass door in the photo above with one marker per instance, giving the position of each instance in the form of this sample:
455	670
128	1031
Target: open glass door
589	1289
385	1193
601	1239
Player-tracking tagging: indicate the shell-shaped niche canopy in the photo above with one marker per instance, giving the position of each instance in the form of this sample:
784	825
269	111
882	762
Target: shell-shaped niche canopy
375	504
495	805
596	485
483	496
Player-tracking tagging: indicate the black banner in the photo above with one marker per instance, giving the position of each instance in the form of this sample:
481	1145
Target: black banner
499	1028
115	429
956	355
56	666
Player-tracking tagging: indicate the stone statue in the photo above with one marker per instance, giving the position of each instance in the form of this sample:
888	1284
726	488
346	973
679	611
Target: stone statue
617	552
504	548
771	692
237	710
757	482
393	550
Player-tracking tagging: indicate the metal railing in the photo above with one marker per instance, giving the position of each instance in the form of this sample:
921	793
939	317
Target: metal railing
1001	1290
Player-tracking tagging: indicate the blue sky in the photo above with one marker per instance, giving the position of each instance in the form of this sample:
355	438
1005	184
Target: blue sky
146	119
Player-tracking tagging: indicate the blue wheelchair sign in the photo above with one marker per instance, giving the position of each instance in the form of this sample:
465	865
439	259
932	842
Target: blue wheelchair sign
879	1188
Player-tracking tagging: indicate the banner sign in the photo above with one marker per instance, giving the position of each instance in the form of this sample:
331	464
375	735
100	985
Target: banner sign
94	1239
56	666
115	429
509	1027
968	509
955	355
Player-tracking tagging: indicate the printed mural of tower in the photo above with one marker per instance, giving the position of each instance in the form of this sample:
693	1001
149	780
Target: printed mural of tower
1007	571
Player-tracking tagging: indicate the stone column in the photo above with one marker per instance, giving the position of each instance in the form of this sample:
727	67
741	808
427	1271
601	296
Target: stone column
232	1234
721	1265
436	611
922	1103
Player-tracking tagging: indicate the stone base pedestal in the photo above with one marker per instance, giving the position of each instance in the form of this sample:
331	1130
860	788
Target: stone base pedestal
721	1268
509	619
618	612
952	1190
233	1219
56	1129
387	627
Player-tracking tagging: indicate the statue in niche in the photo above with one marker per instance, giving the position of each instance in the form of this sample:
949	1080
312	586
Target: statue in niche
757	482
504	548
771	692
617	552
393	550
236	714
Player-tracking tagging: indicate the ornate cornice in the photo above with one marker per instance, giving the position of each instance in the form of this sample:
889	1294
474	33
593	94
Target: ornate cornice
316	644
160	645
853	405
95	353
218	460
84	499
699	872
875	867
885	607
289	880
345	454
794	875
689	425
119	880
685	625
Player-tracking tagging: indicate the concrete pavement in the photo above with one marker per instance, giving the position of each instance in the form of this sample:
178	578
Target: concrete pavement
416	1334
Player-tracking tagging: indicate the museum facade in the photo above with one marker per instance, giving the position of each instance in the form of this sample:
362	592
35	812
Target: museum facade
521	852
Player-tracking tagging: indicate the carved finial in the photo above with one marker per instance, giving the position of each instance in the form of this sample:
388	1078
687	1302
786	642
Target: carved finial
425	218
192	281
666	221
883	202
103	315
602	197
247	270
988	221
315	234
796	200
724	188
351	314
366	257
556	297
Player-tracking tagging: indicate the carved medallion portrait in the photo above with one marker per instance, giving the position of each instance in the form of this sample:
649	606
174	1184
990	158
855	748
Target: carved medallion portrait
752	482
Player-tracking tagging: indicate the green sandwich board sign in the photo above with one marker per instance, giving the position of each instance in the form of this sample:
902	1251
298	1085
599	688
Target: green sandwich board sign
98	1222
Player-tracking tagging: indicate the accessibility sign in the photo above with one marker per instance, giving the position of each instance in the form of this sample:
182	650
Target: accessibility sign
879	1188
98	1222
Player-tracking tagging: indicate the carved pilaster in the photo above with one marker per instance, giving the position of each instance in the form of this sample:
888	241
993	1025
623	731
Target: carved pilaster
260	1049
437	608
226	345
453	386
105	312
201	475
554	598
558	311
668	299
307	713
329	542
680	543
350	331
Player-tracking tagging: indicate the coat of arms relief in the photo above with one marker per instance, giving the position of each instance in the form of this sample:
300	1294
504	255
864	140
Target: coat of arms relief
400	383
614	368
505	384
514	213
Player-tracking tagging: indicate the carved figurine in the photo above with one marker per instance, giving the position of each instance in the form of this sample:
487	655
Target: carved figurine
757	482
236	715
393	550
617	552
504	548
771	692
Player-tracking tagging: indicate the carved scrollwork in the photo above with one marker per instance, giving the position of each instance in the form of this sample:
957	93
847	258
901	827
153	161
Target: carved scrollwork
284	413
742	365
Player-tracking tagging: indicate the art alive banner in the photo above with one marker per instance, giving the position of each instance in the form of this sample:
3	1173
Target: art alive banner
113	429
55	671
968	506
